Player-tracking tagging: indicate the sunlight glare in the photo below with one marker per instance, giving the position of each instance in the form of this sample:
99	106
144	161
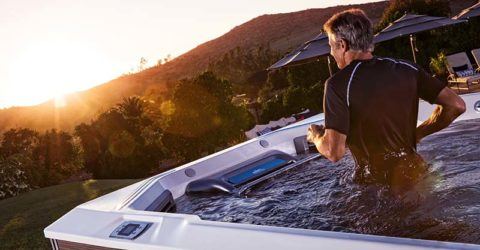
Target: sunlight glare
49	70
60	101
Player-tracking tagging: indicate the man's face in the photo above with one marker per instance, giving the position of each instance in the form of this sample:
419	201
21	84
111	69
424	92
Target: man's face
337	50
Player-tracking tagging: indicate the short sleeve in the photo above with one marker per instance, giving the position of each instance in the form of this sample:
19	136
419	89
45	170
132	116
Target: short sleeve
428	86
337	115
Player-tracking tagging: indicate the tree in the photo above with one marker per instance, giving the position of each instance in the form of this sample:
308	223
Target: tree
304	90
239	64
43	159
315	97
277	79
398	8
123	142
429	42
272	109
17	150
19	141
309	74
204	117
92	144
293	100
58	155
168	58
131	107
142	64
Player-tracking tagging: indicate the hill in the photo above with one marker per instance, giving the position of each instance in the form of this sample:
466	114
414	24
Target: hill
282	32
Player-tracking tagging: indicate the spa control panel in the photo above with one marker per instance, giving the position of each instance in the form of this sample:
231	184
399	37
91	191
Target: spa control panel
130	230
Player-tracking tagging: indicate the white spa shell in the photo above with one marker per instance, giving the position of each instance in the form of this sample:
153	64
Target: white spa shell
91	223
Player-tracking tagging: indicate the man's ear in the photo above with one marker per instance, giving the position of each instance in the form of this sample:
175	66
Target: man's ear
344	45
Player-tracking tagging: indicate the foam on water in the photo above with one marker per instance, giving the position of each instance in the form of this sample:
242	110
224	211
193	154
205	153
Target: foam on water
320	195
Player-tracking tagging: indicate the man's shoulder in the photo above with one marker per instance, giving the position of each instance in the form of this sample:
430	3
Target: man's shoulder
399	62
340	77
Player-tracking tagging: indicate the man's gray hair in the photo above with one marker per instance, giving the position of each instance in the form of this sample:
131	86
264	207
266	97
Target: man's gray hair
352	26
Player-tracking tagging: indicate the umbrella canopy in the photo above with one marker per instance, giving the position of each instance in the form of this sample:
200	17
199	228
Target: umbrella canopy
309	50
406	25
410	24
472	11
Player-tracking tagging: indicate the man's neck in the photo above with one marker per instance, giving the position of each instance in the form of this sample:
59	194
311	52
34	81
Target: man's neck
350	56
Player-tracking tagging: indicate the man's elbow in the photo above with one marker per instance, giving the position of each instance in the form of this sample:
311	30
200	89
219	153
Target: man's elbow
456	106
460	107
452	103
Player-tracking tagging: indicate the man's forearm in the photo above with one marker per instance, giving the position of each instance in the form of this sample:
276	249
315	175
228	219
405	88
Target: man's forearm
440	119
324	146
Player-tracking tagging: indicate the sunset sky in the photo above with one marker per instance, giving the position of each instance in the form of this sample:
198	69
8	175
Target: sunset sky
53	47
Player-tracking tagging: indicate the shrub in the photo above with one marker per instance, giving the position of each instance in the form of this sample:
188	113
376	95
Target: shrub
438	65
13	179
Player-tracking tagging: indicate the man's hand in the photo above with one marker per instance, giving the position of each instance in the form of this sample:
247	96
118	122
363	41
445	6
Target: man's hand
329	142
315	131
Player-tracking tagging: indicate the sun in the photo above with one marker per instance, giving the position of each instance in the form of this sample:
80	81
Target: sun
50	70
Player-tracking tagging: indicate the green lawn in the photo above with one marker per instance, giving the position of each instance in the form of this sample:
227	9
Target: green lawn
23	218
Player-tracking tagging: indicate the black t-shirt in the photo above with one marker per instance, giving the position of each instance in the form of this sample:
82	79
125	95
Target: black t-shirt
375	104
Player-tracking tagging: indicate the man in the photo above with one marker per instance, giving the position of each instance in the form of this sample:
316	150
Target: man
371	105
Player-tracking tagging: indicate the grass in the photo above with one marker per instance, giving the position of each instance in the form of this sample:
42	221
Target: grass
23	218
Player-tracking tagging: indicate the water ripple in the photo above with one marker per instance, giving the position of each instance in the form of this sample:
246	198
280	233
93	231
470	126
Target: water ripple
319	195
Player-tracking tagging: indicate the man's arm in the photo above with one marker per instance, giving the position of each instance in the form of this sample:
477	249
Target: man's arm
450	106
329	142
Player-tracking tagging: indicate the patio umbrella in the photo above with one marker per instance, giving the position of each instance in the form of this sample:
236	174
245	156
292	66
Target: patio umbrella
410	24
472	11
309	50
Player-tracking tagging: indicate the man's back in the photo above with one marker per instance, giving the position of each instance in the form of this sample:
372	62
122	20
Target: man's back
375	103
371	106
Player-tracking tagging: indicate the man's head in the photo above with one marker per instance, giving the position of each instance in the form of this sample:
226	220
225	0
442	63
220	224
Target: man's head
349	33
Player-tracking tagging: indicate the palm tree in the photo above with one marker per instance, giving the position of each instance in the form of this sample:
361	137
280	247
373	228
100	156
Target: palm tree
132	107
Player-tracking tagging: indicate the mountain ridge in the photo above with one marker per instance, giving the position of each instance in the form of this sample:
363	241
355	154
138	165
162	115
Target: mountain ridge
282	32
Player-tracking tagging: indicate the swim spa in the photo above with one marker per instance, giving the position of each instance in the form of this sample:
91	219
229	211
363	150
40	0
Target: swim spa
319	195
272	192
